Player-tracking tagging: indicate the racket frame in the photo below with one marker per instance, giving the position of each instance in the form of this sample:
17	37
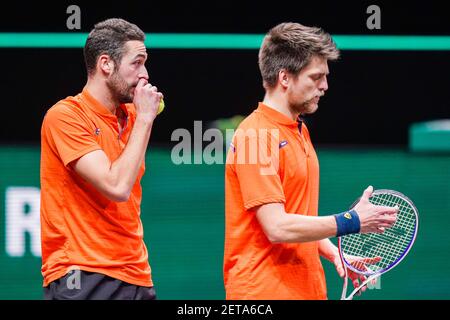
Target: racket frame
373	275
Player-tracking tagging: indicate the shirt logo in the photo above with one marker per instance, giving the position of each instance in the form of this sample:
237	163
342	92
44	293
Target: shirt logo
283	143
97	131
348	215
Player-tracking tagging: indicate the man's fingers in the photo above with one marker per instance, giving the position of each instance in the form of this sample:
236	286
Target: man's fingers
371	260
340	271
142	82
379	230
387	221
385	225
387	210
367	193
359	264
356	284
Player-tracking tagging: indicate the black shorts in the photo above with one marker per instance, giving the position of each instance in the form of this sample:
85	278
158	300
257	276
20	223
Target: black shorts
83	285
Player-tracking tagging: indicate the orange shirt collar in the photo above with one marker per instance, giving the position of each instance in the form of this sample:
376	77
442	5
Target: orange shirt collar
99	108
276	116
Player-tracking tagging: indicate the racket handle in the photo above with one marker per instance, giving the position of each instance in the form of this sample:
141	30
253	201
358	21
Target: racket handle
350	297
344	287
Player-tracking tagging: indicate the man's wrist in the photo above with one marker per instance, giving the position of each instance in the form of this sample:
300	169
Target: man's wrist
347	223
145	120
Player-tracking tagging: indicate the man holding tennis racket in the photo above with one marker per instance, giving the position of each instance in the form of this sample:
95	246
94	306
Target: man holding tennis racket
274	237
92	160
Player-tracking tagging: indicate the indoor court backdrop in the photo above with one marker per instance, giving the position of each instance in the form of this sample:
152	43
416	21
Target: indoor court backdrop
361	132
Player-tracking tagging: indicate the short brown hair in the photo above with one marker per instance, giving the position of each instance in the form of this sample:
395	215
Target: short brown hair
109	37
291	46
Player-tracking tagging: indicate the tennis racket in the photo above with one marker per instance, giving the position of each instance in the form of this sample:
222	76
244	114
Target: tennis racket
385	250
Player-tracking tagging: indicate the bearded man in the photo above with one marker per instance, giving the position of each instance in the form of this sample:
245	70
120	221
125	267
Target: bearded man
93	149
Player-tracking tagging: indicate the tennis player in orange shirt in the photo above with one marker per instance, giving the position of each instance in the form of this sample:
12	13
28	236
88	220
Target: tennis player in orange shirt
274	237
93	149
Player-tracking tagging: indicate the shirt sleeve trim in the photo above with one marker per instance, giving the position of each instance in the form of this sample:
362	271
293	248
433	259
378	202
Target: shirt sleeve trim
81	153
253	203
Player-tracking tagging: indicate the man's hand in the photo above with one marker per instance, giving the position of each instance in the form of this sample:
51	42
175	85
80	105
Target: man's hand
360	264
146	100
374	218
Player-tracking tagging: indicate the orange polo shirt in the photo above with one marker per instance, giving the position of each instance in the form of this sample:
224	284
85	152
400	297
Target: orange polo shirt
80	228
254	268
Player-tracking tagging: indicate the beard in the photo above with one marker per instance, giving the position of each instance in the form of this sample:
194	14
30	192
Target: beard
120	90
304	107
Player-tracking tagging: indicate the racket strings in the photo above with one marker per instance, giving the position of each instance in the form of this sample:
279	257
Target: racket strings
390	245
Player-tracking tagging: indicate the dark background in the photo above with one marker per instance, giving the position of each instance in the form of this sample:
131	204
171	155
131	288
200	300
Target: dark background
373	96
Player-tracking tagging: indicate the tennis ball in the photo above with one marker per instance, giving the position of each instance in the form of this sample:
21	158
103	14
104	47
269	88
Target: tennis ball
161	106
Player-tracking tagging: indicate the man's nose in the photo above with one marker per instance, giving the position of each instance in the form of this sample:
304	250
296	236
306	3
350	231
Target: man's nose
143	73
323	86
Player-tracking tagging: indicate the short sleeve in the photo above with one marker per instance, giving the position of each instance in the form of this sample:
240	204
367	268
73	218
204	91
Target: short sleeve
68	133
256	162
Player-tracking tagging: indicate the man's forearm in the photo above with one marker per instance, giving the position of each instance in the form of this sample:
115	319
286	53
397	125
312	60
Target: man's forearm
327	249
280	226
126	168
299	228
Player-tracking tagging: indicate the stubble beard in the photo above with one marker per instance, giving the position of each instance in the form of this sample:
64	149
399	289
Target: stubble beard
120	90
305	107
